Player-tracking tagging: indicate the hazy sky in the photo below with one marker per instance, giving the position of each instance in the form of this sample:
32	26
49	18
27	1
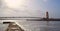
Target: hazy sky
30	8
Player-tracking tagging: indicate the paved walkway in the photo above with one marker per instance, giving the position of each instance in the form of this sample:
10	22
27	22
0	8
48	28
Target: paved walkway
14	27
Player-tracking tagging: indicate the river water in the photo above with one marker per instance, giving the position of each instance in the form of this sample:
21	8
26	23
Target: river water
34	25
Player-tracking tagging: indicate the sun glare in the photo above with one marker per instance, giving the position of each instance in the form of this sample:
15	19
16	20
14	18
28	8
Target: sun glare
14	3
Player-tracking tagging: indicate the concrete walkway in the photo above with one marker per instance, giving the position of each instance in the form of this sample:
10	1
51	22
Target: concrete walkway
13	27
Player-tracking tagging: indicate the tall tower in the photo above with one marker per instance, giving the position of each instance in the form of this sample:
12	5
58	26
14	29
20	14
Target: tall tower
47	15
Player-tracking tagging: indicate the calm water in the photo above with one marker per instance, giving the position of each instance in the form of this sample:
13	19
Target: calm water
34	25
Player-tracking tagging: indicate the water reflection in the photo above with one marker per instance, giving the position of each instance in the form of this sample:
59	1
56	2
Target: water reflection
35	25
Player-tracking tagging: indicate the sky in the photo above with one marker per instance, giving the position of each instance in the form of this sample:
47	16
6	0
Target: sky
30	8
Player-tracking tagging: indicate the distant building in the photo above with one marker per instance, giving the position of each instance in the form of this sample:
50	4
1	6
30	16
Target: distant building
47	15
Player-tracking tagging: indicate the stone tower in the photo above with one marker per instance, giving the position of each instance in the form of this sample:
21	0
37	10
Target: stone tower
47	15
